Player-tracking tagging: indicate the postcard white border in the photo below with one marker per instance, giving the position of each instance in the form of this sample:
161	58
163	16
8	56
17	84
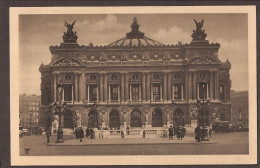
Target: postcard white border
131	159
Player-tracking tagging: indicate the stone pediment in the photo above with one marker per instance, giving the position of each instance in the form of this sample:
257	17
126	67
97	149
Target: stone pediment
203	60
67	62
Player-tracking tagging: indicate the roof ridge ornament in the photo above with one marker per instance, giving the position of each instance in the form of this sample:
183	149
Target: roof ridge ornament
135	33
199	34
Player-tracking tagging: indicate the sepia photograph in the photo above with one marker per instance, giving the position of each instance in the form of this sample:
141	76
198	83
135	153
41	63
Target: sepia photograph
133	85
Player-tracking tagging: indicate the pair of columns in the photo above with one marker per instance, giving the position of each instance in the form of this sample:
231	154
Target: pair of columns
212	86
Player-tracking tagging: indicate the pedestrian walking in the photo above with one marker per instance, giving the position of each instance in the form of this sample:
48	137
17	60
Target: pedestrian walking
143	133
122	134
48	134
171	133
80	133
87	132
197	133
91	133
76	132
210	131
127	130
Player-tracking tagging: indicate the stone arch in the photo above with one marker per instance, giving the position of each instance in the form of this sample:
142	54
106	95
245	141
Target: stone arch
114	118
93	118
135	118
157	118
178	117
68	118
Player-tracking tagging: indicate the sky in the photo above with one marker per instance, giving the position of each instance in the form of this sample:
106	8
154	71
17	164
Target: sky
38	32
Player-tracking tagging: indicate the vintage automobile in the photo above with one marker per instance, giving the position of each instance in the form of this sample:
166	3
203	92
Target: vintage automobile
221	126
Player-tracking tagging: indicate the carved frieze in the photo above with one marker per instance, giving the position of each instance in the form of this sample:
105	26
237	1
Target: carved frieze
203	60
67	62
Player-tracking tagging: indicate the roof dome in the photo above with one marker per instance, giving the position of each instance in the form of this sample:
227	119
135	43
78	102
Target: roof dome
135	38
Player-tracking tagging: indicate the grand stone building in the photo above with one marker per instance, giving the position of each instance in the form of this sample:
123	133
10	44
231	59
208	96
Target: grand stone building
136	81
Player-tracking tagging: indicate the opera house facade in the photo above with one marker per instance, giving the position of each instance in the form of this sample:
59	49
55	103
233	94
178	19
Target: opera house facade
136	82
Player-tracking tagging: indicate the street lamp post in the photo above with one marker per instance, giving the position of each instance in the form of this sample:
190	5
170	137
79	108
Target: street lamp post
58	110
31	122
203	115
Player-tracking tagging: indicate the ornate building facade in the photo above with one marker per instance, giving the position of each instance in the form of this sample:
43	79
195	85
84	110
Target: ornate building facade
136	81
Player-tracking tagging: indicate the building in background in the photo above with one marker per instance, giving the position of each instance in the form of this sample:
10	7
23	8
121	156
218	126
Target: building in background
136	81
29	110
239	105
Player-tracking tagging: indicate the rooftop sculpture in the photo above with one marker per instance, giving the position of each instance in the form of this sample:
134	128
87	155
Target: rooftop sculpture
199	34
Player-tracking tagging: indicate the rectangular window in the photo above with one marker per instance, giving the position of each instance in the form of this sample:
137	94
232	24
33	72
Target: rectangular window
156	92
135	93
114	92
93	93
177	91
67	92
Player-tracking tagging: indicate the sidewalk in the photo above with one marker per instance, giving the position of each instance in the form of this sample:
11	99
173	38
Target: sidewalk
130	141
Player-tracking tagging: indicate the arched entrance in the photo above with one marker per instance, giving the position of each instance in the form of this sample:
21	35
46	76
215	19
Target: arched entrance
157	118
178	118
93	119
135	119
114	119
68	119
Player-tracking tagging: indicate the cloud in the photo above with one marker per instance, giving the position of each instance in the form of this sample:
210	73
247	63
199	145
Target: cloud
101	32
172	35
236	51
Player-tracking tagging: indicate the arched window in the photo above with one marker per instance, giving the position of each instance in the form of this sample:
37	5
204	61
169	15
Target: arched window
135	120
93	119
114	119
157	118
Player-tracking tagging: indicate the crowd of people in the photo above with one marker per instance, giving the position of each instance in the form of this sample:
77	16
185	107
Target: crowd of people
179	131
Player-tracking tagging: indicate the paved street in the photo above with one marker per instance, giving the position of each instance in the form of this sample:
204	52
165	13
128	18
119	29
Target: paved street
229	143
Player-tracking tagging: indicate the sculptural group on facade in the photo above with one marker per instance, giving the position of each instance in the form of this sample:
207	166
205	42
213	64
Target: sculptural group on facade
199	34
70	36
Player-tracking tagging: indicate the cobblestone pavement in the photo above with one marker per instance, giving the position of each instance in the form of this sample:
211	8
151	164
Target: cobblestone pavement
229	143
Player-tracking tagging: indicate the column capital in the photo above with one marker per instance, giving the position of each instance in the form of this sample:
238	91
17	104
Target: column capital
102	72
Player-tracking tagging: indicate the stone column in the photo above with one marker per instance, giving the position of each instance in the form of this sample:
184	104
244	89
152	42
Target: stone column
217	85
82	89
173	90
164	87
198	91
126	88
182	91
122	87
88	95
97	94
194	85
189	85
76	87
140	90
72	93
169	87
161	96
151	93
207	85
148	96
109	93
130	92
143	88
105	88
118	93
55	87
101	83
211	85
